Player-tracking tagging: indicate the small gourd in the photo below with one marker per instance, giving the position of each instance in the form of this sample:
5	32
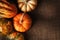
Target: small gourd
5	26
27	5
15	36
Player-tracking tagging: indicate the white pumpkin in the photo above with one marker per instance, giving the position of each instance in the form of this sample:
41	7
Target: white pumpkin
27	5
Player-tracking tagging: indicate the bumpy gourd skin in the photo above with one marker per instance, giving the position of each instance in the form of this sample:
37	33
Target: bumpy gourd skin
7	10
27	5
5	26
15	36
24	24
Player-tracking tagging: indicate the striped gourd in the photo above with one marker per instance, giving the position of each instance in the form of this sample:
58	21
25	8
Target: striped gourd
7	10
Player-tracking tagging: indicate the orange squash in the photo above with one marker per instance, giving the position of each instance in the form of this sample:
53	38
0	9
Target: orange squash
24	24
7	10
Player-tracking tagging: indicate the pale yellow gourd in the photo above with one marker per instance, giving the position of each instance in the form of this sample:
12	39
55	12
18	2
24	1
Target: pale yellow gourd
27	5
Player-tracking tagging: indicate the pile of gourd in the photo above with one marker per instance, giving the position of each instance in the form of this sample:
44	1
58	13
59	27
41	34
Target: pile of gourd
20	22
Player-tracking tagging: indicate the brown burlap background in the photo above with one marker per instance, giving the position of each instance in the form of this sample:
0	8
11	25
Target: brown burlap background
46	21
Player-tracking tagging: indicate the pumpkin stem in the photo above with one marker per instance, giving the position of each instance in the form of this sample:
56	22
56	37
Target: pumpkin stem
21	19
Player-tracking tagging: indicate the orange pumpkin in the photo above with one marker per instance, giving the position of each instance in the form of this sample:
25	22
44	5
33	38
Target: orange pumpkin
15	36
7	10
24	24
5	26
